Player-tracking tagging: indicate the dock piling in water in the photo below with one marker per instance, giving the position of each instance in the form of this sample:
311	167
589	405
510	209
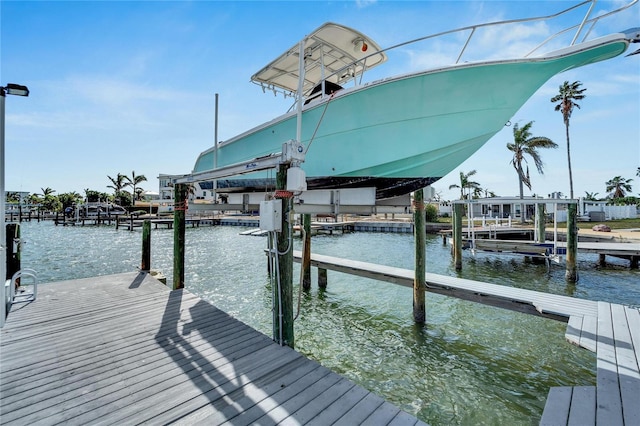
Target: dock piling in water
571	273
322	278
306	252
458	211
180	197
12	237
541	222
146	246
283	293
420	236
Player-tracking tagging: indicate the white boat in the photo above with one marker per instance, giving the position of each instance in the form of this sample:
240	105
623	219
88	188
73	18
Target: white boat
95	209
400	133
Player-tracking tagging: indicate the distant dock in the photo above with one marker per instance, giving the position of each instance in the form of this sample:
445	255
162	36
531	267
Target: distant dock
124	349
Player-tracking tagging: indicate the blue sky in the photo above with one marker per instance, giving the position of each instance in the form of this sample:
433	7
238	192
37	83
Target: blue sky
118	87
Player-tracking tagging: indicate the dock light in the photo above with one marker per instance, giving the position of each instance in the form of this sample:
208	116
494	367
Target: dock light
17	90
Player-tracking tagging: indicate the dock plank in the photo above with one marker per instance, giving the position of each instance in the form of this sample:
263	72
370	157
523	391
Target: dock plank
583	406
609	410
633	320
339	407
252	394
574	329
124	349
627	364
589	332
556	409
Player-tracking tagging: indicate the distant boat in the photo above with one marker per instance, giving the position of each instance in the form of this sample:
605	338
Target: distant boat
400	133
94	209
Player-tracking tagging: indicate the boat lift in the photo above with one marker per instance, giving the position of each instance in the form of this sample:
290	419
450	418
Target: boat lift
551	251
292	153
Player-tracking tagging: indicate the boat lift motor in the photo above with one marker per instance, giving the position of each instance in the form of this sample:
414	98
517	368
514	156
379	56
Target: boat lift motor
293	152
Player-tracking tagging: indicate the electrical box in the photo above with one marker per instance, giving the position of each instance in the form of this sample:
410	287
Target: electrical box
293	151
296	179
271	215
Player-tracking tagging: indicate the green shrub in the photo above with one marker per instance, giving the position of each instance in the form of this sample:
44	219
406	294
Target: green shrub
431	213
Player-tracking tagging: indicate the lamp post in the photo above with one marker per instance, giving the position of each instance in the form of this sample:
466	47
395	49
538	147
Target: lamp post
17	90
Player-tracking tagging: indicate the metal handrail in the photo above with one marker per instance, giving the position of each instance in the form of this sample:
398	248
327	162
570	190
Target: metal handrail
472	28
8	297
26	272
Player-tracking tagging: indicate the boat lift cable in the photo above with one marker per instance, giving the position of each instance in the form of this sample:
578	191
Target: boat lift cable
303	234
275	264
290	240
318	125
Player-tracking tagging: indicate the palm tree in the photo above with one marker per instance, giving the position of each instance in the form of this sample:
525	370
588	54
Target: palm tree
524	144
619	187
12	197
47	191
465	183
133	182
118	185
569	93
591	196
488	193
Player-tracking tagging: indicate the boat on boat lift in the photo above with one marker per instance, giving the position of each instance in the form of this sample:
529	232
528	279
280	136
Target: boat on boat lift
400	133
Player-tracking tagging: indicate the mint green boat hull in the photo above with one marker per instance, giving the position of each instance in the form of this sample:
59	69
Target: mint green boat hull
416	127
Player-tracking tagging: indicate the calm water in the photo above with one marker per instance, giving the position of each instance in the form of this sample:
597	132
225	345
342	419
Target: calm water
470	364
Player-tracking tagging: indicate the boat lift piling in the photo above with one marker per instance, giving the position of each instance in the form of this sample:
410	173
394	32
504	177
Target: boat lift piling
145	264
539	236
458	211
283	290
540	217
571	273
306	251
289	180
420	238
180	197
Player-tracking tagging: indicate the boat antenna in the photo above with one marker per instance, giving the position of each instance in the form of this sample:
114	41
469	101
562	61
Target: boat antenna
215	149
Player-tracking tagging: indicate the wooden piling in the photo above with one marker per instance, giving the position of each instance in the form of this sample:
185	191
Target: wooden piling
420	236
306	252
458	212
322	278
541	223
602	259
146	246
571	273
283	293
180	197
13	250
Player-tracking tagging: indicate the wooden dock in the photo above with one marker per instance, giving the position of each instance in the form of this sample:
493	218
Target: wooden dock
610	330
124	349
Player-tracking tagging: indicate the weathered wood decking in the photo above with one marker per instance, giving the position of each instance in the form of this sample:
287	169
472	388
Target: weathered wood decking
610	330
123	349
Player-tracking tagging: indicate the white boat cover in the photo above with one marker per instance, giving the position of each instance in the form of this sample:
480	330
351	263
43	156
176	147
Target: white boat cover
333	52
